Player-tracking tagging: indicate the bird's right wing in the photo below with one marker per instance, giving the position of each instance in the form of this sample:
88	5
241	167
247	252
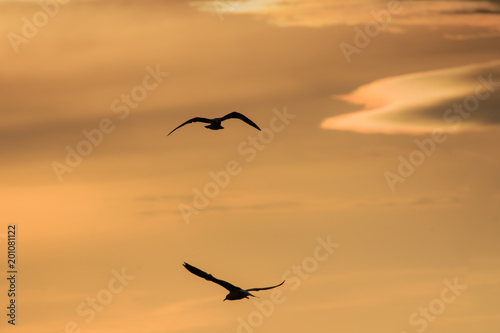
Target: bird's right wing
257	289
209	277
193	120
237	115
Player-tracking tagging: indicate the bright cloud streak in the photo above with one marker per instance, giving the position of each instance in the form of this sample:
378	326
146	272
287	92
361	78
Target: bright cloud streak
319	13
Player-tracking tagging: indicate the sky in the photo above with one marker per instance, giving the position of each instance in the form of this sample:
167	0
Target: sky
372	187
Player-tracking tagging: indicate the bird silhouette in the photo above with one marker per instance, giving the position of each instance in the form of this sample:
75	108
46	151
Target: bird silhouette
235	293
215	124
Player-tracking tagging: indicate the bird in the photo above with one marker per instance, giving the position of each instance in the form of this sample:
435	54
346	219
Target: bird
215	124
235	293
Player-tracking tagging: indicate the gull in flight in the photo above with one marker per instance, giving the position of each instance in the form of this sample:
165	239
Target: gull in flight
234	292
215	124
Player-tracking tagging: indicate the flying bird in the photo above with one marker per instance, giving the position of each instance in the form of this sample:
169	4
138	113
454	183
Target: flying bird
215	124
235	293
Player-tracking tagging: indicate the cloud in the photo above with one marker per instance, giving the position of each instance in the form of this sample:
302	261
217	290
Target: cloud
452	99
319	13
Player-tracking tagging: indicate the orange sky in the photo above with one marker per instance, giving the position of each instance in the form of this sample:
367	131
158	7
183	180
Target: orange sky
389	151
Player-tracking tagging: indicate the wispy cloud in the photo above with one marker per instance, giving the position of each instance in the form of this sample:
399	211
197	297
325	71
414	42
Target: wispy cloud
318	13
421	102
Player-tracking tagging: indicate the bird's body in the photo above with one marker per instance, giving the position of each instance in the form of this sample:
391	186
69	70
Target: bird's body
235	293
216	123
238	294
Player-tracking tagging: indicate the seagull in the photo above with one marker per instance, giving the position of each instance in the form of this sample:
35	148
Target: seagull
215	124
235	293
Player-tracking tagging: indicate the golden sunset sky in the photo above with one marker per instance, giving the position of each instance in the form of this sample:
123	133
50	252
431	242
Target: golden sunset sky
373	187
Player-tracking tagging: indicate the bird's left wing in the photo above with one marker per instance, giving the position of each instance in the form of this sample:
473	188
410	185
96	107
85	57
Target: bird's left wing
209	277
238	115
192	120
257	289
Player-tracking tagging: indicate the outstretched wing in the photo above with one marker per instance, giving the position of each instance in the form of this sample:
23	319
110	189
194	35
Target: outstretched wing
209	277
257	289
193	120
238	115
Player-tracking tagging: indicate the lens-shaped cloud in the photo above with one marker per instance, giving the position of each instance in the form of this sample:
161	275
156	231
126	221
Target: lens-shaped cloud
453	99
